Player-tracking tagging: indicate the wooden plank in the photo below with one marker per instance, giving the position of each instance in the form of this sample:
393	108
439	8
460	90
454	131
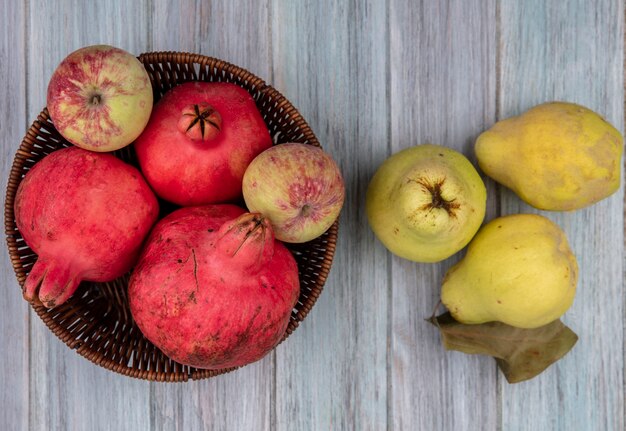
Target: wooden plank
14	324
572	51
237	33
67	391
330	61
442	72
241	400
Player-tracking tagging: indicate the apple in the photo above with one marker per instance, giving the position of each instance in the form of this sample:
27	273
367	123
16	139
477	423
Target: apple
100	98
298	187
426	202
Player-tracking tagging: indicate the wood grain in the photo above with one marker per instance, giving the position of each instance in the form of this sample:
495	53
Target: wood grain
572	51
14	323
66	390
237	33
442	63
329	60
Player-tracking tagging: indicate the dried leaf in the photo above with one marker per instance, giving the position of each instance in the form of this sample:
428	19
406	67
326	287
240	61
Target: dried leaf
521	354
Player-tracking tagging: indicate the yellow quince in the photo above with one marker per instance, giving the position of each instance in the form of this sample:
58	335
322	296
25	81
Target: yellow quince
519	270
556	156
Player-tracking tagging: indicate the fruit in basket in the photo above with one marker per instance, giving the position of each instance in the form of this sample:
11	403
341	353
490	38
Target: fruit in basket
556	156
213	289
298	187
518	270
100	98
426	202
85	215
199	142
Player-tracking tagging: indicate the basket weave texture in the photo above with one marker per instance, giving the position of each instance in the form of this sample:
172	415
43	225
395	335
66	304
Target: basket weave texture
96	321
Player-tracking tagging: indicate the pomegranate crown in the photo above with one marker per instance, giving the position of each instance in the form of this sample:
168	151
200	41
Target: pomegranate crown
200	122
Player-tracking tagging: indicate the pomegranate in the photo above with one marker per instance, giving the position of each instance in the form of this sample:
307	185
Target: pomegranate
213	289
199	141
85	215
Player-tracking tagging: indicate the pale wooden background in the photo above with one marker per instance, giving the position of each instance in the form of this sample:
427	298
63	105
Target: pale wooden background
371	77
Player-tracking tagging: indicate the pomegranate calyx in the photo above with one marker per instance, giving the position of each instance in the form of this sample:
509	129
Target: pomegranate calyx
247	240
200	122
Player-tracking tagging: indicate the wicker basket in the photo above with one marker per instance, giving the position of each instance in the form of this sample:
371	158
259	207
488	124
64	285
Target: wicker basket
96	320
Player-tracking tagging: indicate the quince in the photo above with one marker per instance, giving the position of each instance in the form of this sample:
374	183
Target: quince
519	270
426	202
556	156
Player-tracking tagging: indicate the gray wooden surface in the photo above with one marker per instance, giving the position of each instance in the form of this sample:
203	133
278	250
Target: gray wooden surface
371	77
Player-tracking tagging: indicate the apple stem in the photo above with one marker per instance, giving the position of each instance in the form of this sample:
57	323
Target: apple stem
306	210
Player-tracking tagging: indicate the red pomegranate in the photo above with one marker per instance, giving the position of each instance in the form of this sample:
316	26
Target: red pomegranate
86	215
213	289
199	141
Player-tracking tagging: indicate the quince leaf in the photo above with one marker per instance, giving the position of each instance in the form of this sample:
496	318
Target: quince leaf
521	354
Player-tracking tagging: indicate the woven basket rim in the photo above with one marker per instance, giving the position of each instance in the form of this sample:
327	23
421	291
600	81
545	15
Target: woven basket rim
250	82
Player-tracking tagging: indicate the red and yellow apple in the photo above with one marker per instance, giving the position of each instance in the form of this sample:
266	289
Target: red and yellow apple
298	187
100	98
